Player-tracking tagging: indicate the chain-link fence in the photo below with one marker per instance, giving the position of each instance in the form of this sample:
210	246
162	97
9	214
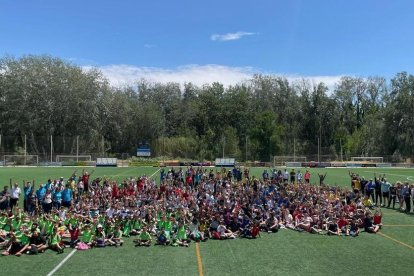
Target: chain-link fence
28	150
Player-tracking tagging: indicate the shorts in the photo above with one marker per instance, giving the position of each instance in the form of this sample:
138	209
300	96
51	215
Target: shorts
369	230
385	194
66	204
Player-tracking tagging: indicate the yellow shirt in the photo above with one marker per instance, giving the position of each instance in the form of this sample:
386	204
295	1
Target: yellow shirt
367	202
357	184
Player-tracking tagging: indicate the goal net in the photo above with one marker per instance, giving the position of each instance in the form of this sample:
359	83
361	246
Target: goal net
281	160
21	160
73	158
367	159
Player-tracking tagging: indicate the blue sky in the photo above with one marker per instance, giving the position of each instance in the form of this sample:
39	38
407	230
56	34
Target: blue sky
169	40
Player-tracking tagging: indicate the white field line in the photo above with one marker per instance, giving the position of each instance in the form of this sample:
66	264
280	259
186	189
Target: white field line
155	173
62	262
408	177
124	172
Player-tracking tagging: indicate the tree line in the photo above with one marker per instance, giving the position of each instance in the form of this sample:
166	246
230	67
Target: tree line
42	96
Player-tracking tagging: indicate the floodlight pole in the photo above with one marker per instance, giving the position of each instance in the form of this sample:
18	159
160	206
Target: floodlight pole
25	149
319	143
246	149
224	144
294	149
51	148
103	146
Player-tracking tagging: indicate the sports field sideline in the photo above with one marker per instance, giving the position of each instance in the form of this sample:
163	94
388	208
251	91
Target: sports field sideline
287	252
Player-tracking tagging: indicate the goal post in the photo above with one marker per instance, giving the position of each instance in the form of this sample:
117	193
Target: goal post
281	160
73	158
20	160
369	159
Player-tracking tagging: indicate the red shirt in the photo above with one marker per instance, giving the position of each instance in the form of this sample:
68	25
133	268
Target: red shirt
342	223
255	231
377	219
85	179
74	233
115	191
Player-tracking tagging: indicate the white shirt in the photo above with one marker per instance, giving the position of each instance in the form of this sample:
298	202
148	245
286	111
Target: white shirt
15	193
48	198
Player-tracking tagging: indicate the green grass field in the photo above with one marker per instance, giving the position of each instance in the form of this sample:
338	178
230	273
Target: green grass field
285	253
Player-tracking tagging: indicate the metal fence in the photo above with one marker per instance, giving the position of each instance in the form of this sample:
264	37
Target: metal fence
25	149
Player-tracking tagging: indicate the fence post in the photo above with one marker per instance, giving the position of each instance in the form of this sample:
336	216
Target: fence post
77	148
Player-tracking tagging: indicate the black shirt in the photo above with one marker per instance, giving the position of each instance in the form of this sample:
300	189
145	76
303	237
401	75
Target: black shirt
37	240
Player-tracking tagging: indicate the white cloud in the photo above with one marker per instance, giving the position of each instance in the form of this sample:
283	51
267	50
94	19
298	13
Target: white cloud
230	36
120	75
329	81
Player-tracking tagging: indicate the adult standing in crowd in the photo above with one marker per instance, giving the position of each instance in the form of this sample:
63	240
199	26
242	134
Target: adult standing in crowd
27	191
4	198
14	196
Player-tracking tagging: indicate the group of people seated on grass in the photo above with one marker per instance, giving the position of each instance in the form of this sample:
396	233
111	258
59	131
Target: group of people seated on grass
212	205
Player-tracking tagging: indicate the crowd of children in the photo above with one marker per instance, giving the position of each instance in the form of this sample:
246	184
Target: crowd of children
188	205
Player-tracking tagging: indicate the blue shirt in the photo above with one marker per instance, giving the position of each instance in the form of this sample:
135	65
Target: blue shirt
371	186
67	195
48	186
57	196
27	191
385	187
40	193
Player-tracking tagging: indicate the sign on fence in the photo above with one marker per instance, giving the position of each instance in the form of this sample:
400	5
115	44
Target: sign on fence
106	162
143	152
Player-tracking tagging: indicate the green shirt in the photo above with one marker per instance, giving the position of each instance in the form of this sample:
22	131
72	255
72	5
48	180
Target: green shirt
145	236
86	236
118	234
55	239
182	234
137	225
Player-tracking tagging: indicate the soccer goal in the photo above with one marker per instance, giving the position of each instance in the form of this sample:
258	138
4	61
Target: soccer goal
281	160
73	158
368	159
21	160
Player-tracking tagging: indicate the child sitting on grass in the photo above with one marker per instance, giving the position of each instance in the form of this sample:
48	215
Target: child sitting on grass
117	236
182	235
353	228
86	239
144	238
162	238
368	225
54	241
378	218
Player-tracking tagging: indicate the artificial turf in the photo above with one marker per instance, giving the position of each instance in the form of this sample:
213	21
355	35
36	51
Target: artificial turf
284	253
